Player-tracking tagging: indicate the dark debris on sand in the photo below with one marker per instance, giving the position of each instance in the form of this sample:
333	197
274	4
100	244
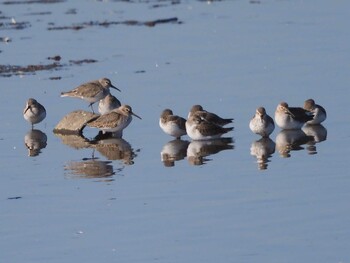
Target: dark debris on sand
84	25
12	2
14	25
10	70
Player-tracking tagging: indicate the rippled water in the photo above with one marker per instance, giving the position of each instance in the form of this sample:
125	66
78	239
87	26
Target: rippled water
147	197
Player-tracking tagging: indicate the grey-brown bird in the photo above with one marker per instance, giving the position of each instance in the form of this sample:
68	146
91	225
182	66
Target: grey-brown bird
34	112
319	112
209	116
108	103
92	91
290	118
262	123
114	121
199	129
171	124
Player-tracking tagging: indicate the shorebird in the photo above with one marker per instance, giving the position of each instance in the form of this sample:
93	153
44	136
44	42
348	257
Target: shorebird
92	91
262	123
291	118
171	124
208	116
34	112
319	112
108	103
200	129
115	121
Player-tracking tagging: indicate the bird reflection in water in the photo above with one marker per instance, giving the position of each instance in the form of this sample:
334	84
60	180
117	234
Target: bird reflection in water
107	145
263	150
75	141
197	151
291	140
172	151
319	134
90	168
35	140
114	148
110	146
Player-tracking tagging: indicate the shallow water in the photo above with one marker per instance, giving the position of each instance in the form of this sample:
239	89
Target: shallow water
117	200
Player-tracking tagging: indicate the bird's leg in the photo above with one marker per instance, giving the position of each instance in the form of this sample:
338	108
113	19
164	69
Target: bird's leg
90	105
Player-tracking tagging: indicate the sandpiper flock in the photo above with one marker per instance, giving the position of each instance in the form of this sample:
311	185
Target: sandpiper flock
200	124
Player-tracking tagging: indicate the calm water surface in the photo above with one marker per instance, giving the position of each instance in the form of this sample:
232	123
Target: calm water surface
116	200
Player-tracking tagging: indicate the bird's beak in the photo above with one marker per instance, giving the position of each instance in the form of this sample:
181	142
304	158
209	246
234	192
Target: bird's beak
113	87
25	110
289	113
136	116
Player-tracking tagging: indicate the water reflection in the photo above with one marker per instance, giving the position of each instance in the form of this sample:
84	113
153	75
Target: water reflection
319	134
101	135
35	140
114	148
317	131
110	146
262	150
91	168
291	140
74	141
197	151
287	141
172	151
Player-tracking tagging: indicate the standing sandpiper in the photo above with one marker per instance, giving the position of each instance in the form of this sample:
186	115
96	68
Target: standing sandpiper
108	103
291	118
172	124
115	121
319	112
208	116
199	129
34	112
92	91
262	123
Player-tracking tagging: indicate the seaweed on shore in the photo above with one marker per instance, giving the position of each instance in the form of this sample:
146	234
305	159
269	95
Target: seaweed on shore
10	70
150	23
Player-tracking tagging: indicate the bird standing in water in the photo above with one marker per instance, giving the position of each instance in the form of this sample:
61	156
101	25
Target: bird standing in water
289	118
262	123
319	112
92	91
34	112
171	124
